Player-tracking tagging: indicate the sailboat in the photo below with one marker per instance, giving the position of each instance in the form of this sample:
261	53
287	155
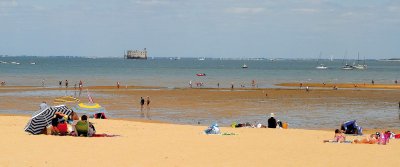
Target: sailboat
347	66
244	66
360	66
321	66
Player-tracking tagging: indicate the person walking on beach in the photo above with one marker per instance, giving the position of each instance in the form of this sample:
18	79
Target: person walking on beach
395	81
272	121
66	83
118	85
60	83
232	85
373	82
307	89
218	84
141	103
42	82
190	83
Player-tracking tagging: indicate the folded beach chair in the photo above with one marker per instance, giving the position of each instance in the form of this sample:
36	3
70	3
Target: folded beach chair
82	128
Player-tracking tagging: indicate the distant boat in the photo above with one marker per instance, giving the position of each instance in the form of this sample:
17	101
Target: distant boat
33	63
347	67
244	66
3	62
321	66
13	62
360	66
201	58
201	74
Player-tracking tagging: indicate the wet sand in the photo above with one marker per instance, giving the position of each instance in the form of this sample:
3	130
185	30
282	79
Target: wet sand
189	106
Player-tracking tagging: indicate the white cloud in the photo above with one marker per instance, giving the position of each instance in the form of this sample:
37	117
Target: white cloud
237	10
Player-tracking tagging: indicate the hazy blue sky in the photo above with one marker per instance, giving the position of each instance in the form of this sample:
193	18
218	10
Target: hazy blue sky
197	28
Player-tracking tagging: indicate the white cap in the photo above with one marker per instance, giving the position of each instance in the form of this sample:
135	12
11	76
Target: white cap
272	115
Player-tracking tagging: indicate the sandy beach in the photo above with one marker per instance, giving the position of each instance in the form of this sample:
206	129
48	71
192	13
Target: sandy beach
155	143
160	144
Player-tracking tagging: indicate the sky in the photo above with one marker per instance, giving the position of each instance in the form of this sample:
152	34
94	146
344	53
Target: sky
201	28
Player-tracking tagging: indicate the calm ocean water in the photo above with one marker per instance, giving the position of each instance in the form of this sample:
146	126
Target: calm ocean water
177	73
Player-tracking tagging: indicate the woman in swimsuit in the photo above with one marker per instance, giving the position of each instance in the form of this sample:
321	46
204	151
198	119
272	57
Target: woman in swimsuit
339	137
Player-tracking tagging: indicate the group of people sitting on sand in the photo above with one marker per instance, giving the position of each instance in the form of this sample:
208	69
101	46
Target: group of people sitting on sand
63	125
377	138
272	123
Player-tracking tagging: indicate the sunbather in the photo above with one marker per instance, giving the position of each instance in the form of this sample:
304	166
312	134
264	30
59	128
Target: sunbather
58	118
372	139
339	137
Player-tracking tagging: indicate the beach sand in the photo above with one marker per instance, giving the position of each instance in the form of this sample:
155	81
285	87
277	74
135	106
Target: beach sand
161	144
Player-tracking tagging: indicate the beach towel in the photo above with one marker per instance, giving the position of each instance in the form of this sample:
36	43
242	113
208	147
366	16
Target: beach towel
344	142
104	135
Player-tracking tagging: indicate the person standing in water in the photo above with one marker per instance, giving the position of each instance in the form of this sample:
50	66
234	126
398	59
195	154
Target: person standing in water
66	83
148	102
141	103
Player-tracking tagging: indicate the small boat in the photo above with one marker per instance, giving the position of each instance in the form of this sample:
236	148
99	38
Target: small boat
3	62
13	62
202	58
244	66
347	67
360	66
201	74
321	67
33	63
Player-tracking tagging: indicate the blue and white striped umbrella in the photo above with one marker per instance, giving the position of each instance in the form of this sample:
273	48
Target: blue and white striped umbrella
42	119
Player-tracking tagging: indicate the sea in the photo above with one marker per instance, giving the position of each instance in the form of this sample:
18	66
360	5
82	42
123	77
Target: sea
178	72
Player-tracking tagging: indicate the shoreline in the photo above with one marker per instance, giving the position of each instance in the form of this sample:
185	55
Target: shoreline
341	85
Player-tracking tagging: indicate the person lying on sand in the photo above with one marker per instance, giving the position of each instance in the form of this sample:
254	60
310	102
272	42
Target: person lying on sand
372	139
338	138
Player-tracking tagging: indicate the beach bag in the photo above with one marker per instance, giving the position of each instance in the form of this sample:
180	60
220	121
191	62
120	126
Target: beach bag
285	125
383	139
213	129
